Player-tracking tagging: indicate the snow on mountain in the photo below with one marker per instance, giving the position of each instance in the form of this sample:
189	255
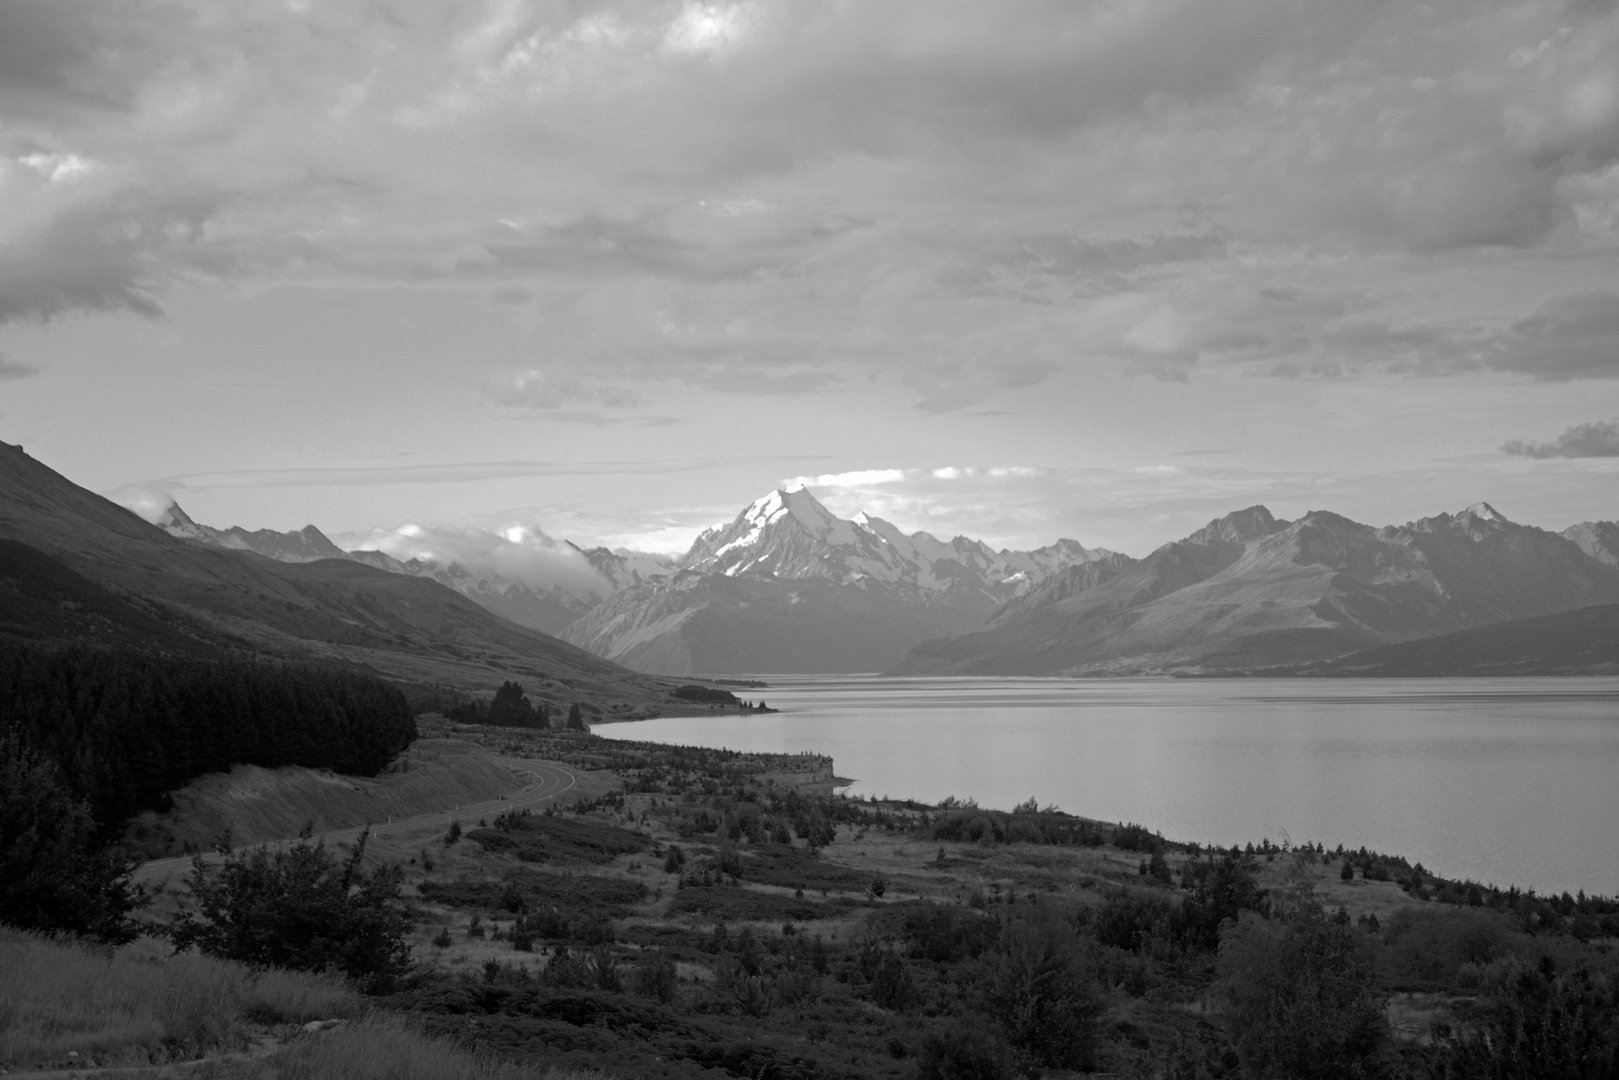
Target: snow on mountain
789	535
787	586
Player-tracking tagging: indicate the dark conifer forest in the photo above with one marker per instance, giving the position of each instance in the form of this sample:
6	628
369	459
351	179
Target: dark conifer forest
124	728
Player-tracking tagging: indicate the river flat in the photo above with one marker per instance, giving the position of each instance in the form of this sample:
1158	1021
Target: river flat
1504	781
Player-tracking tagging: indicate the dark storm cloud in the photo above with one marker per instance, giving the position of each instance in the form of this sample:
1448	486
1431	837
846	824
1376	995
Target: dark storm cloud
1595	440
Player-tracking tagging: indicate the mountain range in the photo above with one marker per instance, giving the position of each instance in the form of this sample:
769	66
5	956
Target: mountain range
1250	591
546	606
91	571
789	587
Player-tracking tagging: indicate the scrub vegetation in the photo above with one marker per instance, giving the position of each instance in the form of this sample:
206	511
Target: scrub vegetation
727	915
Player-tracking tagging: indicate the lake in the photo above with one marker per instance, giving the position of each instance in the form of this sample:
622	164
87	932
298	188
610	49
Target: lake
1505	781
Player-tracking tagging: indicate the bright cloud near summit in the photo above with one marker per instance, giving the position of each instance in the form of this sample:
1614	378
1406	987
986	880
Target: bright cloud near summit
1023	270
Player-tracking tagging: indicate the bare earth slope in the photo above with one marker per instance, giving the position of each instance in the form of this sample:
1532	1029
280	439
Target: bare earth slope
1249	591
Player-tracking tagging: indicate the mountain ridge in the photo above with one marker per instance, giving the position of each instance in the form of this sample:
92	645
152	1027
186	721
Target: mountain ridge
787	586
342	611
1249	590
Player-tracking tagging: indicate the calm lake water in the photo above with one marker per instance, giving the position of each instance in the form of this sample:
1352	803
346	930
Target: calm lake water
1508	781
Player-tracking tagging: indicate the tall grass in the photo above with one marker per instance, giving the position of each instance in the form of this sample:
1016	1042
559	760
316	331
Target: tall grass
382	1047
128	1006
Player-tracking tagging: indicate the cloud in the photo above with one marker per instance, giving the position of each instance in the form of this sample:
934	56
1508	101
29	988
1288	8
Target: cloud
784	198
532	388
857	478
151	502
106	252
1594	440
1567	337
517	551
15	369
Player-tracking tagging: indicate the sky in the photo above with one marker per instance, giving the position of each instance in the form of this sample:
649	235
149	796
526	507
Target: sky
609	271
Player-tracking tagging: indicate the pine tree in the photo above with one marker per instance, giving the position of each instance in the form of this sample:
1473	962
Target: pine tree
53	874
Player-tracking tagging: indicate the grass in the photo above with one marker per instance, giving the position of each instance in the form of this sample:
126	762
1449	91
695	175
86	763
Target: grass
387	1048
128	1007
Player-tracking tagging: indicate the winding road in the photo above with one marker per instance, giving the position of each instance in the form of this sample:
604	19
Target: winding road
545	782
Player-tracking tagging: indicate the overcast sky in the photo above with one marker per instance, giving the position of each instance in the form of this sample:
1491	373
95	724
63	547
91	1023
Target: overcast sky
1102	269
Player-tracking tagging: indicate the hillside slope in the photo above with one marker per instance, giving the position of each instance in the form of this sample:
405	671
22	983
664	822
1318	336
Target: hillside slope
1580	642
403	627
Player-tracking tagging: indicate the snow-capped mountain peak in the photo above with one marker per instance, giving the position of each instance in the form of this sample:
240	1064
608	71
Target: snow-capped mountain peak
1485	512
789	535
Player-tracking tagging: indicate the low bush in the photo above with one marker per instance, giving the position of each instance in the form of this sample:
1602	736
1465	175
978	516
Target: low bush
547	838
581	895
387	1048
743	905
795	868
300	909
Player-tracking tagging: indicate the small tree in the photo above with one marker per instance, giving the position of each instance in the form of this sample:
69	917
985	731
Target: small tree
1301	997
576	717
1041	985
301	909
511	707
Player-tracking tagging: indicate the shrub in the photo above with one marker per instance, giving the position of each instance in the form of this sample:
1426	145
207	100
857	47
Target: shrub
300	909
655	976
1040	984
1536	1023
1301	998
965	1050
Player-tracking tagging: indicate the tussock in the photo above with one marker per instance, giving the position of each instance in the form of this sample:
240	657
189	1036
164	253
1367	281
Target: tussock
120	1007
386	1048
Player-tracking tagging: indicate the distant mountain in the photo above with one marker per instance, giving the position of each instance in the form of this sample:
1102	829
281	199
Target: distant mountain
1250	591
547	608
1598	539
335	610
789	587
1580	642
306	545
